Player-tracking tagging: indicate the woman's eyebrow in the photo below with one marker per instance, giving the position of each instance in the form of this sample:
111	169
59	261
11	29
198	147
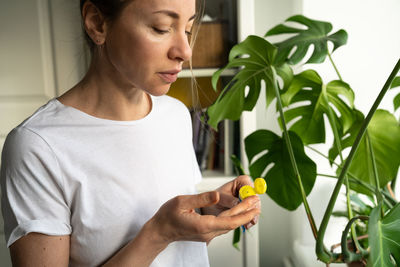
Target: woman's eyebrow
172	14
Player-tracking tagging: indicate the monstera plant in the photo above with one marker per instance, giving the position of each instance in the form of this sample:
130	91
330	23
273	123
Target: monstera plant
365	153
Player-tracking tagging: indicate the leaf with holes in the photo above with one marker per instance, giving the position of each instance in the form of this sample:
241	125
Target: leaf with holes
396	99
256	58
384	133
309	99
316	34
384	237
264	148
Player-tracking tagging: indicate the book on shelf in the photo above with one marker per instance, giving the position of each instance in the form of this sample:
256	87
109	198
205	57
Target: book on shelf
208	144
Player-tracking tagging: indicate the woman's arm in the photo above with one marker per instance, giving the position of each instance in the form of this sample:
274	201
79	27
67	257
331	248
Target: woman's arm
37	249
175	220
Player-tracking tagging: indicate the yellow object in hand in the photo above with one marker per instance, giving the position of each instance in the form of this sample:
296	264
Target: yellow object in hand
260	187
246	191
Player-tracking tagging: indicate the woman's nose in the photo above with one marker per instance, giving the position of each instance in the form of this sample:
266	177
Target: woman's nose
180	49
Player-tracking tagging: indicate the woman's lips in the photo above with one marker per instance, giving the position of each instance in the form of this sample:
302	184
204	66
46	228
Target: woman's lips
169	77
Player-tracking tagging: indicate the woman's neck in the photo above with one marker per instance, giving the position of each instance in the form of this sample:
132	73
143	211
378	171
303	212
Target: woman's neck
101	94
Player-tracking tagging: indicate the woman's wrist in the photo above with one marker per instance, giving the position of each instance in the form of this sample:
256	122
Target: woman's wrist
154	234
143	249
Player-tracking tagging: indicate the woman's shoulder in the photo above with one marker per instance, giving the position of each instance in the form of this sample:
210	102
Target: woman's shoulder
170	107
169	101
44	115
28	133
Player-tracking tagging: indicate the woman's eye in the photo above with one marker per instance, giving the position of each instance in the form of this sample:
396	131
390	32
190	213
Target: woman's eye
157	30
188	33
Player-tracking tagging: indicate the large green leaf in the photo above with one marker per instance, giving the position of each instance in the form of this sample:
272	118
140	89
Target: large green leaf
349	136
309	99
384	237
315	33
384	133
396	99
263	149
255	57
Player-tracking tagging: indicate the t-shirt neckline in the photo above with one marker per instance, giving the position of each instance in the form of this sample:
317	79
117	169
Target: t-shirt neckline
85	115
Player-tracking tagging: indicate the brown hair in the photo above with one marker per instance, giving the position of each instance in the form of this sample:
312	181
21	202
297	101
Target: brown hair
110	9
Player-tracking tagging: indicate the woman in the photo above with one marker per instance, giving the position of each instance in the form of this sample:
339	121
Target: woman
105	173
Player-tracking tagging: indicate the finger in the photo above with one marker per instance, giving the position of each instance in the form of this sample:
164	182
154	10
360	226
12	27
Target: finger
227	201
248	203
255	219
232	222
240	181
252	222
198	201
244	180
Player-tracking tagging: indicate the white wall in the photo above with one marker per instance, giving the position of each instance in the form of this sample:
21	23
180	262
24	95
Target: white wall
41	56
365	62
373	46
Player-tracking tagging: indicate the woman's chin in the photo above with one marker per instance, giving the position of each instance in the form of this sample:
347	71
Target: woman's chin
159	91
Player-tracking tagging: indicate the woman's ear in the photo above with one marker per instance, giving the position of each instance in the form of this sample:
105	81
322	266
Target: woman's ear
94	23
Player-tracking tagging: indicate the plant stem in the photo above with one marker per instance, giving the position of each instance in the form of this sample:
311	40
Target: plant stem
339	148
389	200
389	188
345	251
355	180
292	157
320	250
374	168
393	184
375	171
334	66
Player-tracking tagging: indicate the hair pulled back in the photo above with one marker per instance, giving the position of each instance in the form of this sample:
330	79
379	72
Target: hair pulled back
110	9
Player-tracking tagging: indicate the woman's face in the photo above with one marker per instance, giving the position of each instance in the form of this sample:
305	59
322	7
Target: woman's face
148	42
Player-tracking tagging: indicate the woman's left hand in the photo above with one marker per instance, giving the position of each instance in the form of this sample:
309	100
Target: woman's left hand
229	193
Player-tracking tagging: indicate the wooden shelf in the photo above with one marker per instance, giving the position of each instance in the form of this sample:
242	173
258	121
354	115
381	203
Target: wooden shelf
186	73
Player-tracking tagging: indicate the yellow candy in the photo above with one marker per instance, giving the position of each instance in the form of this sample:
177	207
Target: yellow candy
246	191
260	187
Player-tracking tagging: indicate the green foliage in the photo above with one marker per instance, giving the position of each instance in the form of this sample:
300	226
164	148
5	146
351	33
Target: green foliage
396	99
236	238
304	102
384	237
264	148
316	34
308	87
384	132
359	207
256	58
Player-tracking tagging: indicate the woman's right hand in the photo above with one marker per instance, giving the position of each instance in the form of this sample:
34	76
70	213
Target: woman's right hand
178	220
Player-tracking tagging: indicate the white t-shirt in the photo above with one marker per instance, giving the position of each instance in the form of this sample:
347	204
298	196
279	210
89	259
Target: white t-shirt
65	172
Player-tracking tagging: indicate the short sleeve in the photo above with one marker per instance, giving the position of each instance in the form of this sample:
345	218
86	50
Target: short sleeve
32	188
196	169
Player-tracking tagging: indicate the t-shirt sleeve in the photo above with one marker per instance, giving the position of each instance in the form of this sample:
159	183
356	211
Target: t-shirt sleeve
196	169
31	186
